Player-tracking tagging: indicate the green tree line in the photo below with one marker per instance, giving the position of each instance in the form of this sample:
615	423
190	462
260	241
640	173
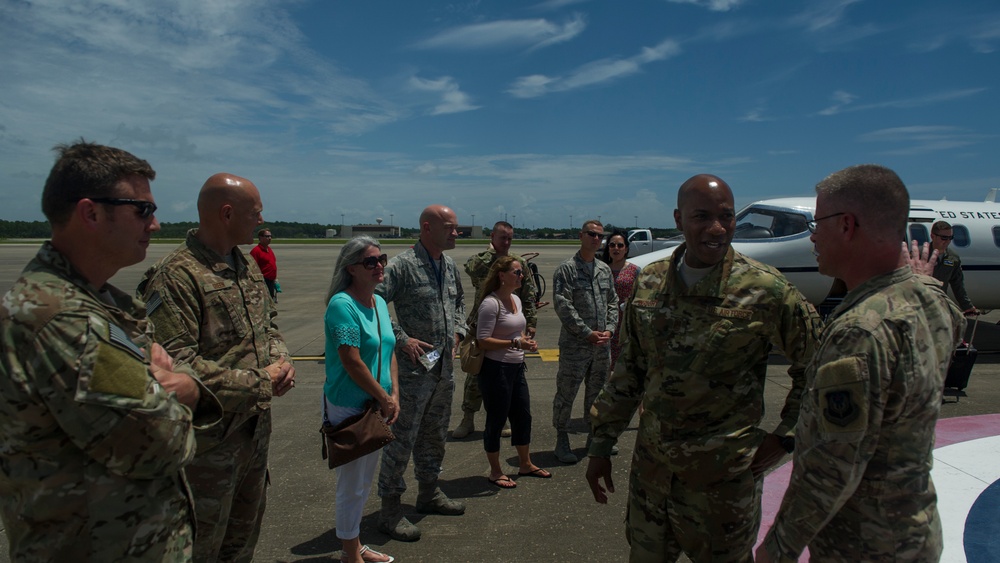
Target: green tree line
281	230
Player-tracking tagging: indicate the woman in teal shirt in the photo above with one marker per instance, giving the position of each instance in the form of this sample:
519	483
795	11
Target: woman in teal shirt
360	366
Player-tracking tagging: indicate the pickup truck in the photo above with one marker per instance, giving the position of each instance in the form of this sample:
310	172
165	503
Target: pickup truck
641	241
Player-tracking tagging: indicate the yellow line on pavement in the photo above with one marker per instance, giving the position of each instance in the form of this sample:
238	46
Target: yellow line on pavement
546	355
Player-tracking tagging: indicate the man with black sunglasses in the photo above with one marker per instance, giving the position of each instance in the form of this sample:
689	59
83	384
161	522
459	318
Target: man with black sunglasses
213	313
585	300
949	266
96	423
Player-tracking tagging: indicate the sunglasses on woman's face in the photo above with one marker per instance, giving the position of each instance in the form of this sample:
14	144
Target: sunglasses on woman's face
371	261
616	245
517	273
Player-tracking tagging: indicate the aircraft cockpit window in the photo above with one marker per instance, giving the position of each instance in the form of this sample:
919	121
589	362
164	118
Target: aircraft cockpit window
918	232
757	223
996	236
961	233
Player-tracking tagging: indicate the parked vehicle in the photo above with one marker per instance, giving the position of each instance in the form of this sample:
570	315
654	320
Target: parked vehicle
641	241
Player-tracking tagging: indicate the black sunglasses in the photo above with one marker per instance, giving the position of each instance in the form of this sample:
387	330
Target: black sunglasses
517	273
146	208
371	261
594	234
943	237
616	244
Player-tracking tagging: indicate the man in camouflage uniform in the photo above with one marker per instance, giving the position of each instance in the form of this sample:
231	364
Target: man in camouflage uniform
478	267
95	424
212	312
426	288
861	486
696	338
585	300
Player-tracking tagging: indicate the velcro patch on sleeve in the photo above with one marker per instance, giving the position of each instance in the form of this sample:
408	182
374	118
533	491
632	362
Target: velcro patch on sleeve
116	372
842	394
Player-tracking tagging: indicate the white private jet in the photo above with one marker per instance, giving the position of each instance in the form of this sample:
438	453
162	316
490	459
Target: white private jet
774	231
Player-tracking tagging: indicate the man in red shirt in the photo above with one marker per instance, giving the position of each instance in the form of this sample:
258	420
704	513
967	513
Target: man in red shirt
268	264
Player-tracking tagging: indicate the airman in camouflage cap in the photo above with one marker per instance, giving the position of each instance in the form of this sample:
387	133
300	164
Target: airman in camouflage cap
96	426
696	338
861	487
213	312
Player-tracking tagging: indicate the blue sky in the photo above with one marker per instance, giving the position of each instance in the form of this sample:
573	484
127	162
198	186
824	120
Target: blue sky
543	110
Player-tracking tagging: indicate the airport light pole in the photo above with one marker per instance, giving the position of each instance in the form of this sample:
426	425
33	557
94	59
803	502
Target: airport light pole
392	231
637	221
570	221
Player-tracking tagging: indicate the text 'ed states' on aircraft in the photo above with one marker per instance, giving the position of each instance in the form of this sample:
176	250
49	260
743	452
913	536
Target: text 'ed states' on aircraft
774	231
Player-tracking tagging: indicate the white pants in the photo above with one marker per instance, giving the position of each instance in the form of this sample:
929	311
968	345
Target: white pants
354	481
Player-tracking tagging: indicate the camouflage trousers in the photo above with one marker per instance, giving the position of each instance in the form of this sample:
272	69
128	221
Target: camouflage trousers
874	526
589	366
472	397
229	483
710	523
421	430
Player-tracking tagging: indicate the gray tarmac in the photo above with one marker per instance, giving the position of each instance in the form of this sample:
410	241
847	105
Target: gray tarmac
540	520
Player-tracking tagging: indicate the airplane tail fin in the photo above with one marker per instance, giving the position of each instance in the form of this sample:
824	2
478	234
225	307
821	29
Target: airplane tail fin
991	196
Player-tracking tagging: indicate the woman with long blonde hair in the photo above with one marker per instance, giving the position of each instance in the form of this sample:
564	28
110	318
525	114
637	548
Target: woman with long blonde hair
501	333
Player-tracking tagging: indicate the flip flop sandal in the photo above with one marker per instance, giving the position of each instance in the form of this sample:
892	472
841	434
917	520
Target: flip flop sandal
504	482
537	472
366	549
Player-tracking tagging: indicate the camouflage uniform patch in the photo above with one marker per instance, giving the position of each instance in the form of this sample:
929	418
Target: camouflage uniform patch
91	467
861	488
219	320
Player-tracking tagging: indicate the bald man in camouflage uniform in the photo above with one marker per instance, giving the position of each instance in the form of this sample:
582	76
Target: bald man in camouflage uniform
585	300
95	425
425	287
696	338
213	312
861	486
478	267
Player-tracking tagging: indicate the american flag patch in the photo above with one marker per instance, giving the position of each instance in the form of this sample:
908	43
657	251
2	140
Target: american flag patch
118	336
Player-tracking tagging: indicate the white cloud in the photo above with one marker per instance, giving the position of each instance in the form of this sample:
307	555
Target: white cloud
593	73
453	100
714	5
755	115
556	4
985	36
823	14
843	100
503	34
921	139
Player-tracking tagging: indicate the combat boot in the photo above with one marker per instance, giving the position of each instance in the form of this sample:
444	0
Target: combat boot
563	451
430	500
466	427
392	523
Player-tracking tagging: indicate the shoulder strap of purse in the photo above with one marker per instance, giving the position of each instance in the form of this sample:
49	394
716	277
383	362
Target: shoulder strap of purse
378	322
